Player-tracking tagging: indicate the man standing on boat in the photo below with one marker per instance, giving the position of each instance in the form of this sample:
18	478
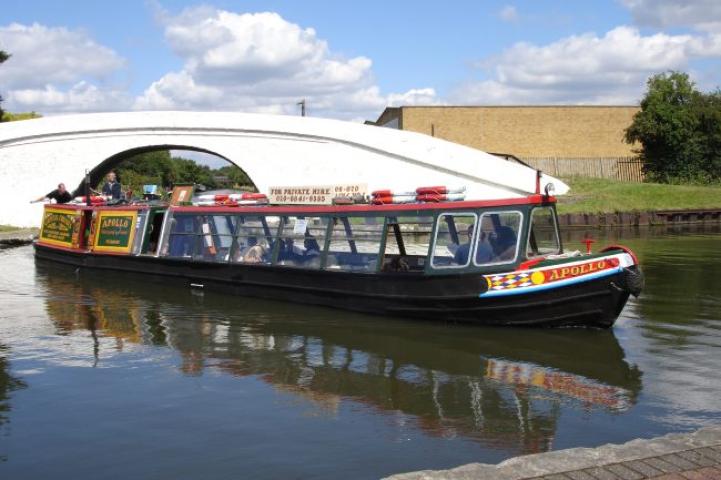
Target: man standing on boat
112	188
60	195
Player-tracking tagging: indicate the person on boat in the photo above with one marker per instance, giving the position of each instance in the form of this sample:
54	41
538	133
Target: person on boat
504	243
60	195
311	255
461	255
289	252
484	249
111	187
254	252
312	249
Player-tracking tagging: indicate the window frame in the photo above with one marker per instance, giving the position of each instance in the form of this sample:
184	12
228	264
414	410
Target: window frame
471	248
348	217
518	238
323	246
530	231
267	234
392	223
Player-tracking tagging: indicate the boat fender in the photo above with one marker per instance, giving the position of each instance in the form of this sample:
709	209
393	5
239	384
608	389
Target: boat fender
633	281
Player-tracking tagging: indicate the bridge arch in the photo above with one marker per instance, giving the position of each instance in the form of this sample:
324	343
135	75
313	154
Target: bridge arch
101	169
272	150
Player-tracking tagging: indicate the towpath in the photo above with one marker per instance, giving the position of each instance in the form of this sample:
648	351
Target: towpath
692	456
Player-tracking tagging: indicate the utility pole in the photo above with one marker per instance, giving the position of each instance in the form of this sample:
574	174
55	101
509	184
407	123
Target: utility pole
302	107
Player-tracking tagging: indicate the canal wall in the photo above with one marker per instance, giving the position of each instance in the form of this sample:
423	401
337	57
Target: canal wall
640	219
17	238
671	457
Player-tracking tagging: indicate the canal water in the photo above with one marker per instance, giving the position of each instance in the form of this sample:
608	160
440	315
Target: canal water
104	375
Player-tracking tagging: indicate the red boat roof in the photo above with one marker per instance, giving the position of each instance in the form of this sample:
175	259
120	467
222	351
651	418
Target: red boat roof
325	209
367	208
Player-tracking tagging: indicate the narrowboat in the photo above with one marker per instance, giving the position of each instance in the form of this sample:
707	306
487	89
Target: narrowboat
429	253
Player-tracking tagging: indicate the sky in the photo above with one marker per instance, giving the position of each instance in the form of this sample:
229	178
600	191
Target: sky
349	60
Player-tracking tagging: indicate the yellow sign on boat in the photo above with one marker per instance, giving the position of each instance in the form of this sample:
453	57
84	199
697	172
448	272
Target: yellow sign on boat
57	227
114	231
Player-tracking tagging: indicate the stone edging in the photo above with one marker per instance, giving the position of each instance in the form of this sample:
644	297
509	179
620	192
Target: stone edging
560	461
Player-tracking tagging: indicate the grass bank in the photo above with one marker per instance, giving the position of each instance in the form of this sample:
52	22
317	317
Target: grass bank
9	228
597	195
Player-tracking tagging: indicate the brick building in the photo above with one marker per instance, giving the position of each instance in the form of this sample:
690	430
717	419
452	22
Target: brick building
561	140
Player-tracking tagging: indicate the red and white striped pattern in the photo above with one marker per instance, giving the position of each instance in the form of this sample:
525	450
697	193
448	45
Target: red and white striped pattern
245	198
421	194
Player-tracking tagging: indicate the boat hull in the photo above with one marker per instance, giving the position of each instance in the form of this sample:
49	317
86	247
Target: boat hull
451	298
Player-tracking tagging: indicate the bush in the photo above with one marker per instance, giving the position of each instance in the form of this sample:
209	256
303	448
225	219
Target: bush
679	130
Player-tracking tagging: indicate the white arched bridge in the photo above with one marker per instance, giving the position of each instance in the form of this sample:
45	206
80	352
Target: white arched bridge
35	155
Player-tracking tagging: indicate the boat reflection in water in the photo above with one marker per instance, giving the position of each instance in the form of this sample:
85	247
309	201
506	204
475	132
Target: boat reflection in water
502	387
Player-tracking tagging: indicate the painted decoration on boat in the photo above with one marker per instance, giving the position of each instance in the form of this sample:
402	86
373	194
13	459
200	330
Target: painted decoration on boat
314	194
115	231
549	277
57	227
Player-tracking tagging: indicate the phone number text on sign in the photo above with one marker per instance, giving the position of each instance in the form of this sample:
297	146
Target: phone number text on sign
313	194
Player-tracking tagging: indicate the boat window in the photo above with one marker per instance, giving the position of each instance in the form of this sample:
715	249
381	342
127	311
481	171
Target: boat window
543	237
152	232
498	238
184	236
407	242
301	241
139	237
355	243
453	242
218	233
256	238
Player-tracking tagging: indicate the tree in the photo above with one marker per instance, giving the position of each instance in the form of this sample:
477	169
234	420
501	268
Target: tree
15	117
3	56
159	168
679	130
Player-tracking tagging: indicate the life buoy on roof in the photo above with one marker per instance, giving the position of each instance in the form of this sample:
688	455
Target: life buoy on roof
438	193
230	199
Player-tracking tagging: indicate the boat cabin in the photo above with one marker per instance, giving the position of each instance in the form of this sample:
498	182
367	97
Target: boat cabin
443	238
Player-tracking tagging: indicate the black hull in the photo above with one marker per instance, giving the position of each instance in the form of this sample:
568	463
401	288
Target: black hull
451	298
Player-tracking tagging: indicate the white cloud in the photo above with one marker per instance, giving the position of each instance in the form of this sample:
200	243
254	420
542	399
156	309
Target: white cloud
699	14
415	96
508	13
51	69
81	97
261	62
584	69
256	62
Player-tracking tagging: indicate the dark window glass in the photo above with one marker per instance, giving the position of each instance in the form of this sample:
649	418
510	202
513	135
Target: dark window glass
301	241
355	243
407	243
256	239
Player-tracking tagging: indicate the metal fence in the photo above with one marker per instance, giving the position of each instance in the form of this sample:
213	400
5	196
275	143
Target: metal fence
626	169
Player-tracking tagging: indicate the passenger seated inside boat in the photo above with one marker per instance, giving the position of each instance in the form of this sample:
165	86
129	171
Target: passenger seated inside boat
312	249
484	250
253	252
461	255
289	252
504	243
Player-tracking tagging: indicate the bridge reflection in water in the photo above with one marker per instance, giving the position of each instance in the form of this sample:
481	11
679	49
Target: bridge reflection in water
503	387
